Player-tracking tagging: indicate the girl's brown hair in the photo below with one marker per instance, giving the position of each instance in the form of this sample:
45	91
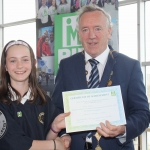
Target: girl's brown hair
36	91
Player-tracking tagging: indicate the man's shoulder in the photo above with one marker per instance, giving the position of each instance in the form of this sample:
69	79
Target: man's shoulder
125	61
74	60
74	57
123	57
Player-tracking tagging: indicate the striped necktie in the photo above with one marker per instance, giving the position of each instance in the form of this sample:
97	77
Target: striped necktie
93	83
94	76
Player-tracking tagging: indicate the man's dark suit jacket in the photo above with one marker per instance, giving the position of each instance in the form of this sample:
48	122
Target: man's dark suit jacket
126	73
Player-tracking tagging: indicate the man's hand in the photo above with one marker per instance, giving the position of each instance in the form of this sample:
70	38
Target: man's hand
67	141
108	130
62	144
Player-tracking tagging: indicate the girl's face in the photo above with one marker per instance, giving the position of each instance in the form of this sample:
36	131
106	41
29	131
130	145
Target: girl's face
43	2
63	1
18	63
46	40
53	2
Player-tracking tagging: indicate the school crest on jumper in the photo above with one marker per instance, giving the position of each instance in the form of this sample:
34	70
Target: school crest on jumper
3	125
41	117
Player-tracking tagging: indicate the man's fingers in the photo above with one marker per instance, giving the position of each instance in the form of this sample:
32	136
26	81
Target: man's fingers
101	132
109	130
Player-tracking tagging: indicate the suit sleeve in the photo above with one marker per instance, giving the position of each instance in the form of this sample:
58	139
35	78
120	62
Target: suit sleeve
59	88
137	108
51	113
14	137
57	94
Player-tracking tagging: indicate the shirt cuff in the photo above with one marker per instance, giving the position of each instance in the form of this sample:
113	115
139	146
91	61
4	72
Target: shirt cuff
63	135
122	138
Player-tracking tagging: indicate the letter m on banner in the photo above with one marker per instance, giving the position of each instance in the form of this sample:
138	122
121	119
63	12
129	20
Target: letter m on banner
66	39
70	35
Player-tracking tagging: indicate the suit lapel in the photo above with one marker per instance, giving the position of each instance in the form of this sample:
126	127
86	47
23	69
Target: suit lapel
80	70
107	71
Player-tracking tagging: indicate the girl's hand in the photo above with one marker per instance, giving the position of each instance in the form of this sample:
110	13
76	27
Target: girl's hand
59	122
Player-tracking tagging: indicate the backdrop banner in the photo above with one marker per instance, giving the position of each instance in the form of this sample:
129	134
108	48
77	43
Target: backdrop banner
57	37
66	39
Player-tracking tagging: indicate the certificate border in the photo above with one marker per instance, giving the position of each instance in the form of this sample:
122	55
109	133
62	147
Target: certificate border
115	90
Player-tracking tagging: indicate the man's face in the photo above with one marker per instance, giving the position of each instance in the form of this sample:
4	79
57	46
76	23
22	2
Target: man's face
94	32
51	36
45	33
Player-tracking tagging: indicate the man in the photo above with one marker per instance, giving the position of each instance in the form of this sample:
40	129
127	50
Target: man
51	42
47	78
101	3
94	30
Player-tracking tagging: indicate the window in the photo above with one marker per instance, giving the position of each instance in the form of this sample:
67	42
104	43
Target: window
18	10
128	30
19	21
26	32
148	140
130	12
148	82
147	29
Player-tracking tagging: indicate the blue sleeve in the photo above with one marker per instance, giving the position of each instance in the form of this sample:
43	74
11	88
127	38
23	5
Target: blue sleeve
57	94
137	109
50	114
14	137
59	88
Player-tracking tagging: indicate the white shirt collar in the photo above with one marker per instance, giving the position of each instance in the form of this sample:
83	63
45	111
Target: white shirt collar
24	99
102	58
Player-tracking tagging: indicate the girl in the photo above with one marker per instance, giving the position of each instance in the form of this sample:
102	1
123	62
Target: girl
63	7
27	115
43	12
52	10
46	50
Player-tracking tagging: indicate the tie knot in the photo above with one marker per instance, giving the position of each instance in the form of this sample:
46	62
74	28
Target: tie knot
93	62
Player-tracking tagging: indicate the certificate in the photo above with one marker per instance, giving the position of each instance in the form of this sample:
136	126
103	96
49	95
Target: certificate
91	106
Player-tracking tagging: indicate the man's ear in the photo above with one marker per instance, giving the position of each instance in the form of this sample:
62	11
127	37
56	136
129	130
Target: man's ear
109	33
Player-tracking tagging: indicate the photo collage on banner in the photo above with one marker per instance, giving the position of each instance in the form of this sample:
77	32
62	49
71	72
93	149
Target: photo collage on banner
57	36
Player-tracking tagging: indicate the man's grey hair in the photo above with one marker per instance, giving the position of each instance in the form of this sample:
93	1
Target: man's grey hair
91	8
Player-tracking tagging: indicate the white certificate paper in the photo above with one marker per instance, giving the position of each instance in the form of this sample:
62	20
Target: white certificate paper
91	106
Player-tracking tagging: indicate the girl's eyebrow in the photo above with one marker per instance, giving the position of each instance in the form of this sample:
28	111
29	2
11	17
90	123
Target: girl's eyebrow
16	57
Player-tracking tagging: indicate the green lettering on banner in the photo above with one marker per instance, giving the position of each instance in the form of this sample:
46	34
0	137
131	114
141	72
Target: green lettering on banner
71	33
66	39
